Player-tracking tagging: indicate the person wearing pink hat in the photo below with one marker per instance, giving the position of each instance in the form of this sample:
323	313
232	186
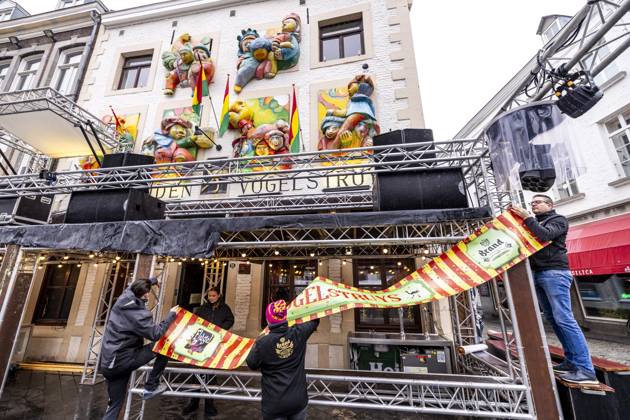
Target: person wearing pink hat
279	356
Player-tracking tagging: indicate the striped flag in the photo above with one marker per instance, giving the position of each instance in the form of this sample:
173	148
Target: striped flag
225	115
490	251
294	126
201	90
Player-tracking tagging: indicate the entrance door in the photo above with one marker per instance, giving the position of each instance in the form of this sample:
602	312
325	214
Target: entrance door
191	283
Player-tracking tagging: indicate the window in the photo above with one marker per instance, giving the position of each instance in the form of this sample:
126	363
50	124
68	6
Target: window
26	74
341	40
285	280
593	59
69	3
4	71
135	72
5	15
619	133
567	189
56	294
555	27
605	296
378	275
67	70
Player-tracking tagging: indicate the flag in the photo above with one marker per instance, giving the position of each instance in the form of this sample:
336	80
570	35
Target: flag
201	90
294	126
225	115
488	252
119	127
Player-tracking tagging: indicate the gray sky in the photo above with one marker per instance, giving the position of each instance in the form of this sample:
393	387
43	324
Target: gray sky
465	50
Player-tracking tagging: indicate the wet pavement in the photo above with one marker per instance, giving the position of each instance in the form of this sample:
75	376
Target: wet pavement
32	395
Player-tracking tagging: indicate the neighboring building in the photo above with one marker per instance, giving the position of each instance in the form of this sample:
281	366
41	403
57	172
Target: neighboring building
339	40
598	195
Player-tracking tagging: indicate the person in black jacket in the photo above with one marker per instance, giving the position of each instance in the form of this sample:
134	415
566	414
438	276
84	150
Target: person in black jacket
553	279
220	314
280	358
123	349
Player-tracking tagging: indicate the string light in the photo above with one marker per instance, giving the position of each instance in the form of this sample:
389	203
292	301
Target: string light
117	258
40	267
385	250
243	255
91	255
42	258
343	262
398	263
59	265
78	265
276	252
312	254
66	257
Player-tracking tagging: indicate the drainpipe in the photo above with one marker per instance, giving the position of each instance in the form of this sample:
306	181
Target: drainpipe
85	59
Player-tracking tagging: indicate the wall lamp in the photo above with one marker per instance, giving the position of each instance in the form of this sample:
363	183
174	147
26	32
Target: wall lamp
15	41
49	34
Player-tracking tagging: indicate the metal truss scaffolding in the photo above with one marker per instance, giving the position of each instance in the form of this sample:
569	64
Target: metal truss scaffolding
453	394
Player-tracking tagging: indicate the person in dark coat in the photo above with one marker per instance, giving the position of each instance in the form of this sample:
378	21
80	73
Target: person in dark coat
217	312
552	279
123	349
280	357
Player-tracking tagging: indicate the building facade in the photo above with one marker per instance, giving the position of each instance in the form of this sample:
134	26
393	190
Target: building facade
138	76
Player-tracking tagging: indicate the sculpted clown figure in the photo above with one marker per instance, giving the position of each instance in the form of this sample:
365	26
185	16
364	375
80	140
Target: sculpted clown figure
286	44
183	63
175	142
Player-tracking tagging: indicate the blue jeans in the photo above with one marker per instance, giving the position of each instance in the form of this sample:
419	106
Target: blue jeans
553	290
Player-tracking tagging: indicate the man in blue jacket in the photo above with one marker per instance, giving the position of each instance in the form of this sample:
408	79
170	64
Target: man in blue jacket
280	357
123	349
553	279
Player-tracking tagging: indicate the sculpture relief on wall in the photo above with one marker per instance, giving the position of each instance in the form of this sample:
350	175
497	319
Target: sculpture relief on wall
263	56
263	127
176	140
347	117
184	61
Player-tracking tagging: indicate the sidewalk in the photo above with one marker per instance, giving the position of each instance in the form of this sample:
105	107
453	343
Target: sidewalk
51	396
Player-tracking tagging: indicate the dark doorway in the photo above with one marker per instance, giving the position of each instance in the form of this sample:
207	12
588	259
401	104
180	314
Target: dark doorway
190	286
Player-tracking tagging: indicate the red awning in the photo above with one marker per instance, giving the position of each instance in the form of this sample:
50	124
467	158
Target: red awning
600	247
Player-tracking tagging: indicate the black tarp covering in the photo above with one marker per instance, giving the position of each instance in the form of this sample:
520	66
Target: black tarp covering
197	238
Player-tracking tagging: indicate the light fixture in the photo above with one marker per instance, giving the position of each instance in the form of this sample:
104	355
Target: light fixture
295	266
247	262
42	258
79	265
40	267
321	263
371	267
276	252
114	261
343	262
59	265
179	263
348	251
184	259
172	259
270	265
117	258
66	257
91	255
96	264
426	252
398	263
243	255
385	250
424	258
312	254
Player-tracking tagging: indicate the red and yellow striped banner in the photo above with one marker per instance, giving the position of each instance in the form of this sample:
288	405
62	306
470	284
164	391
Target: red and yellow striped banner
483	255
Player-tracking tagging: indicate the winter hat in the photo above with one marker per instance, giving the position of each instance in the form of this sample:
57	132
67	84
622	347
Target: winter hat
276	312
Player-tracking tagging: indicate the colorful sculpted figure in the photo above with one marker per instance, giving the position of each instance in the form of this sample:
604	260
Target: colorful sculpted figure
263	57
359	119
175	142
184	61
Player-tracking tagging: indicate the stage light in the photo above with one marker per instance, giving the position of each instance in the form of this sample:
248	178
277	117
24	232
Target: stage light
577	93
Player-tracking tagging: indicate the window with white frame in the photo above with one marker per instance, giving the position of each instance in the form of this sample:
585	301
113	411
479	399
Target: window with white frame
555	27
5	14
69	3
341	39
25	78
619	133
594	58
4	70
67	70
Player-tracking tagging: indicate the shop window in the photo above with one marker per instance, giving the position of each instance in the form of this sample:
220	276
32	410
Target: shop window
135	72
377	275
341	39
67	70
56	295
606	296
27	72
619	134
286	280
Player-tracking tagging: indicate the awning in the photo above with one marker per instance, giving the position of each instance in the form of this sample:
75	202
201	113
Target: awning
600	247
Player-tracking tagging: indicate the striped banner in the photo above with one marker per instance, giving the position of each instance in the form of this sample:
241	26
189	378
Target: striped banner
483	255
193	340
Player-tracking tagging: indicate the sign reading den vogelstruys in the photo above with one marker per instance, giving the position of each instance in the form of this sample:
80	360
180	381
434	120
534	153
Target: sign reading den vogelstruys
483	255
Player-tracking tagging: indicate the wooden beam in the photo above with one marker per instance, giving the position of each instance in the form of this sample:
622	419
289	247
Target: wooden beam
527	318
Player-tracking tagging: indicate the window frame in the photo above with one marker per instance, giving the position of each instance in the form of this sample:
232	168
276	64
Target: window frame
71	280
126	67
624	129
4	64
24	62
387	325
61	68
340	34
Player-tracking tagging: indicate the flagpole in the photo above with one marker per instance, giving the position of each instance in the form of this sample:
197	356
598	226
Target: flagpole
216	120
